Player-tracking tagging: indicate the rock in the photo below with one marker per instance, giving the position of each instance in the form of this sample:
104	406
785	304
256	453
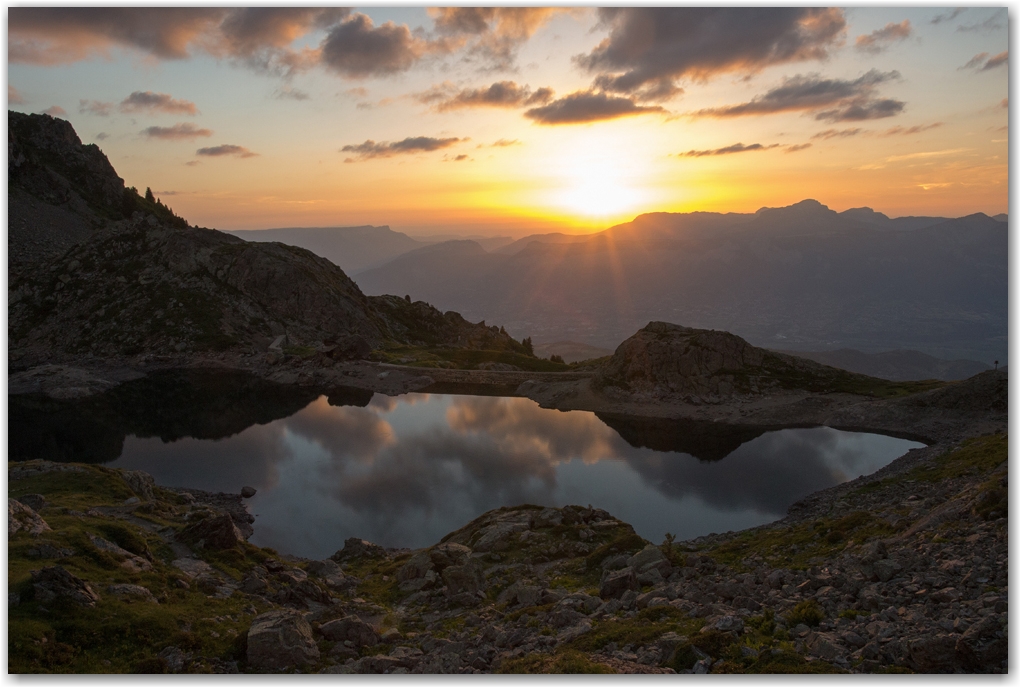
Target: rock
984	644
823	645
48	551
725	623
217	532
886	568
174	658
55	582
132	590
615	583
355	548
34	501
391	635
648	558
351	629
192	567
462	579
330	573
521	594
129	562
248	492
254	584
21	518
572	632
446	554
279	640
933	654
140	482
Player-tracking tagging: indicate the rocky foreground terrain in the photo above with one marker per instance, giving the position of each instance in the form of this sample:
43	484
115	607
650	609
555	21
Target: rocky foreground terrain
905	570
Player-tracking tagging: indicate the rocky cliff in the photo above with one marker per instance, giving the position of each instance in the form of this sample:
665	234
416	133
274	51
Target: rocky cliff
98	271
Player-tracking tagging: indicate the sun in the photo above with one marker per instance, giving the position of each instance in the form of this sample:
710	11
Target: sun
598	188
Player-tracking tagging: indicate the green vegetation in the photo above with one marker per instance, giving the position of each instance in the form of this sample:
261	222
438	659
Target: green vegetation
646	627
973	457
807	613
463	359
824	379
564	662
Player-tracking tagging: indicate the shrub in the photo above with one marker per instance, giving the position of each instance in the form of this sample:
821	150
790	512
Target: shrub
806	612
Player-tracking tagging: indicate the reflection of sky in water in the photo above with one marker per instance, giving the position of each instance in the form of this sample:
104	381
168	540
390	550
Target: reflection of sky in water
405	471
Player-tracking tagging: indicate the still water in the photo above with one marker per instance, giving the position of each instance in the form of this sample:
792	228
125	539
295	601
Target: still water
404	471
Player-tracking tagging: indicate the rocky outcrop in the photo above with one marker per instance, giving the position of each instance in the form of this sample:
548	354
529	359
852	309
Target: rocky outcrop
665	360
22	518
57	583
213	532
281	640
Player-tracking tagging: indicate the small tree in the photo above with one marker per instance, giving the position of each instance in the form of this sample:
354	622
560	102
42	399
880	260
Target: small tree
148	195
528	348
556	359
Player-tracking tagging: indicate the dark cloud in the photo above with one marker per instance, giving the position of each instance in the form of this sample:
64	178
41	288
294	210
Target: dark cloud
948	16
157	103
849	100
95	107
1000	60
60	35
102	136
178	132
907	131
13	97
192	163
649	49
416	144
55	111
836	133
880	39
357	49
796	148
975	61
582	107
728	150
493	34
460	158
257	36
226	149
505	94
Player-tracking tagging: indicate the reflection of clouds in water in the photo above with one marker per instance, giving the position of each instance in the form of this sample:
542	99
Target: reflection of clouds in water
387	404
520	425
342	430
249	458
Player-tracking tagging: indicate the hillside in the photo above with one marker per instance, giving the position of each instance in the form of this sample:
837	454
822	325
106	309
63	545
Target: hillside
112	275
801	276
895	365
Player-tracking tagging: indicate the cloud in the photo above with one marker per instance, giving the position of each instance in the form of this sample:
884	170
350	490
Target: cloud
649	49
582	107
416	144
95	107
851	100
61	35
502	143
993	23
102	136
192	163
979	63
55	111
460	158
13	97
288	92
257	36
728	150
505	94
157	103
836	133
880	39
948	16
493	34
795	148
226	149
358	49
907	131
178	132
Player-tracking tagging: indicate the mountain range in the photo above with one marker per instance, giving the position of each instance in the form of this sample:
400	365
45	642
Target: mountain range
802	277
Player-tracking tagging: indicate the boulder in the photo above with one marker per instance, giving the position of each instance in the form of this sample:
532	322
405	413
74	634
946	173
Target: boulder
445	555
417	566
132	591
461	579
217	532
140	482
248	492
616	582
21	518
351	629
56	583
279	640
725	623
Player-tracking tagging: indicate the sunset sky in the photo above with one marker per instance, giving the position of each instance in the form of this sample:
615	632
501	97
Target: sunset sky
510	121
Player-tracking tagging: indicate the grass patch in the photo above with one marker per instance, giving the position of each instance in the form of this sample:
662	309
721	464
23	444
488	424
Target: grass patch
807	613
563	662
973	457
647	626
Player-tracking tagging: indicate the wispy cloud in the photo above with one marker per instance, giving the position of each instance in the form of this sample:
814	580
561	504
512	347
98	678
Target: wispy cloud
908	131
178	132
95	107
583	107
409	146
798	147
55	111
880	39
13	97
157	103
836	133
948	16
226	150
502	94
288	92
729	150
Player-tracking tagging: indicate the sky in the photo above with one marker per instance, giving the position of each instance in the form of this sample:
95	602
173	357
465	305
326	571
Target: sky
509	121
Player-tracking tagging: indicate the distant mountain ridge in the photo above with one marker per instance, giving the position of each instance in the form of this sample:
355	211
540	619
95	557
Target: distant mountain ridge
896	365
802	274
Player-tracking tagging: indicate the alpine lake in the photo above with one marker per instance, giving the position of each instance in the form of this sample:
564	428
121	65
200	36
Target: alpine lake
404	471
